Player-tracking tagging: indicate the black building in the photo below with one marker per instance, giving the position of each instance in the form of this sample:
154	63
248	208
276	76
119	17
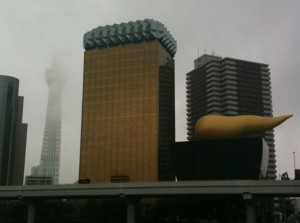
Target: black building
227	159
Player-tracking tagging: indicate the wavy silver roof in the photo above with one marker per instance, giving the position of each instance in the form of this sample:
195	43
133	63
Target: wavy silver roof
131	32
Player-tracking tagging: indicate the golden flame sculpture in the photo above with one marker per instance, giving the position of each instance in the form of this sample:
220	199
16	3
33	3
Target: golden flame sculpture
212	127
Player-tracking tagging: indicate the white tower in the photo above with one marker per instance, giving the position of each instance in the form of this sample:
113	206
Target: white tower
50	157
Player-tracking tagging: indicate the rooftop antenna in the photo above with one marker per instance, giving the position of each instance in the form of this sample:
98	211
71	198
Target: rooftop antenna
198	50
212	52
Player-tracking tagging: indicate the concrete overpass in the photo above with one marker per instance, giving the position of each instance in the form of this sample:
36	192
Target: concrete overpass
249	189
153	189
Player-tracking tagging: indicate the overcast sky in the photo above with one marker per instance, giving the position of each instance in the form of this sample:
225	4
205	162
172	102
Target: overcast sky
34	33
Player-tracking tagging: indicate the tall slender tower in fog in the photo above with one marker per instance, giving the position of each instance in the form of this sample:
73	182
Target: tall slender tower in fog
128	108
50	157
230	86
13	132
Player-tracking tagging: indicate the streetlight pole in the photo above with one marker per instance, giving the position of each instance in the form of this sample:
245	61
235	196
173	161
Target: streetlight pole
294	164
294	161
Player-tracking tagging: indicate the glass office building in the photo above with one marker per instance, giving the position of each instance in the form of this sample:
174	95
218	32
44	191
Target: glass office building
128	110
13	132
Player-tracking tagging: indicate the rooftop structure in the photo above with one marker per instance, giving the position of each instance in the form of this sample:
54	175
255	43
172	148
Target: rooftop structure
127	33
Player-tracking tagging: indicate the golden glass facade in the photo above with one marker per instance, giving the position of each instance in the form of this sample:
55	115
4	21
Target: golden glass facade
123	129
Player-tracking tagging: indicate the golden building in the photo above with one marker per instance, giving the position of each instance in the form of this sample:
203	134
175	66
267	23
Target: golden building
128	111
